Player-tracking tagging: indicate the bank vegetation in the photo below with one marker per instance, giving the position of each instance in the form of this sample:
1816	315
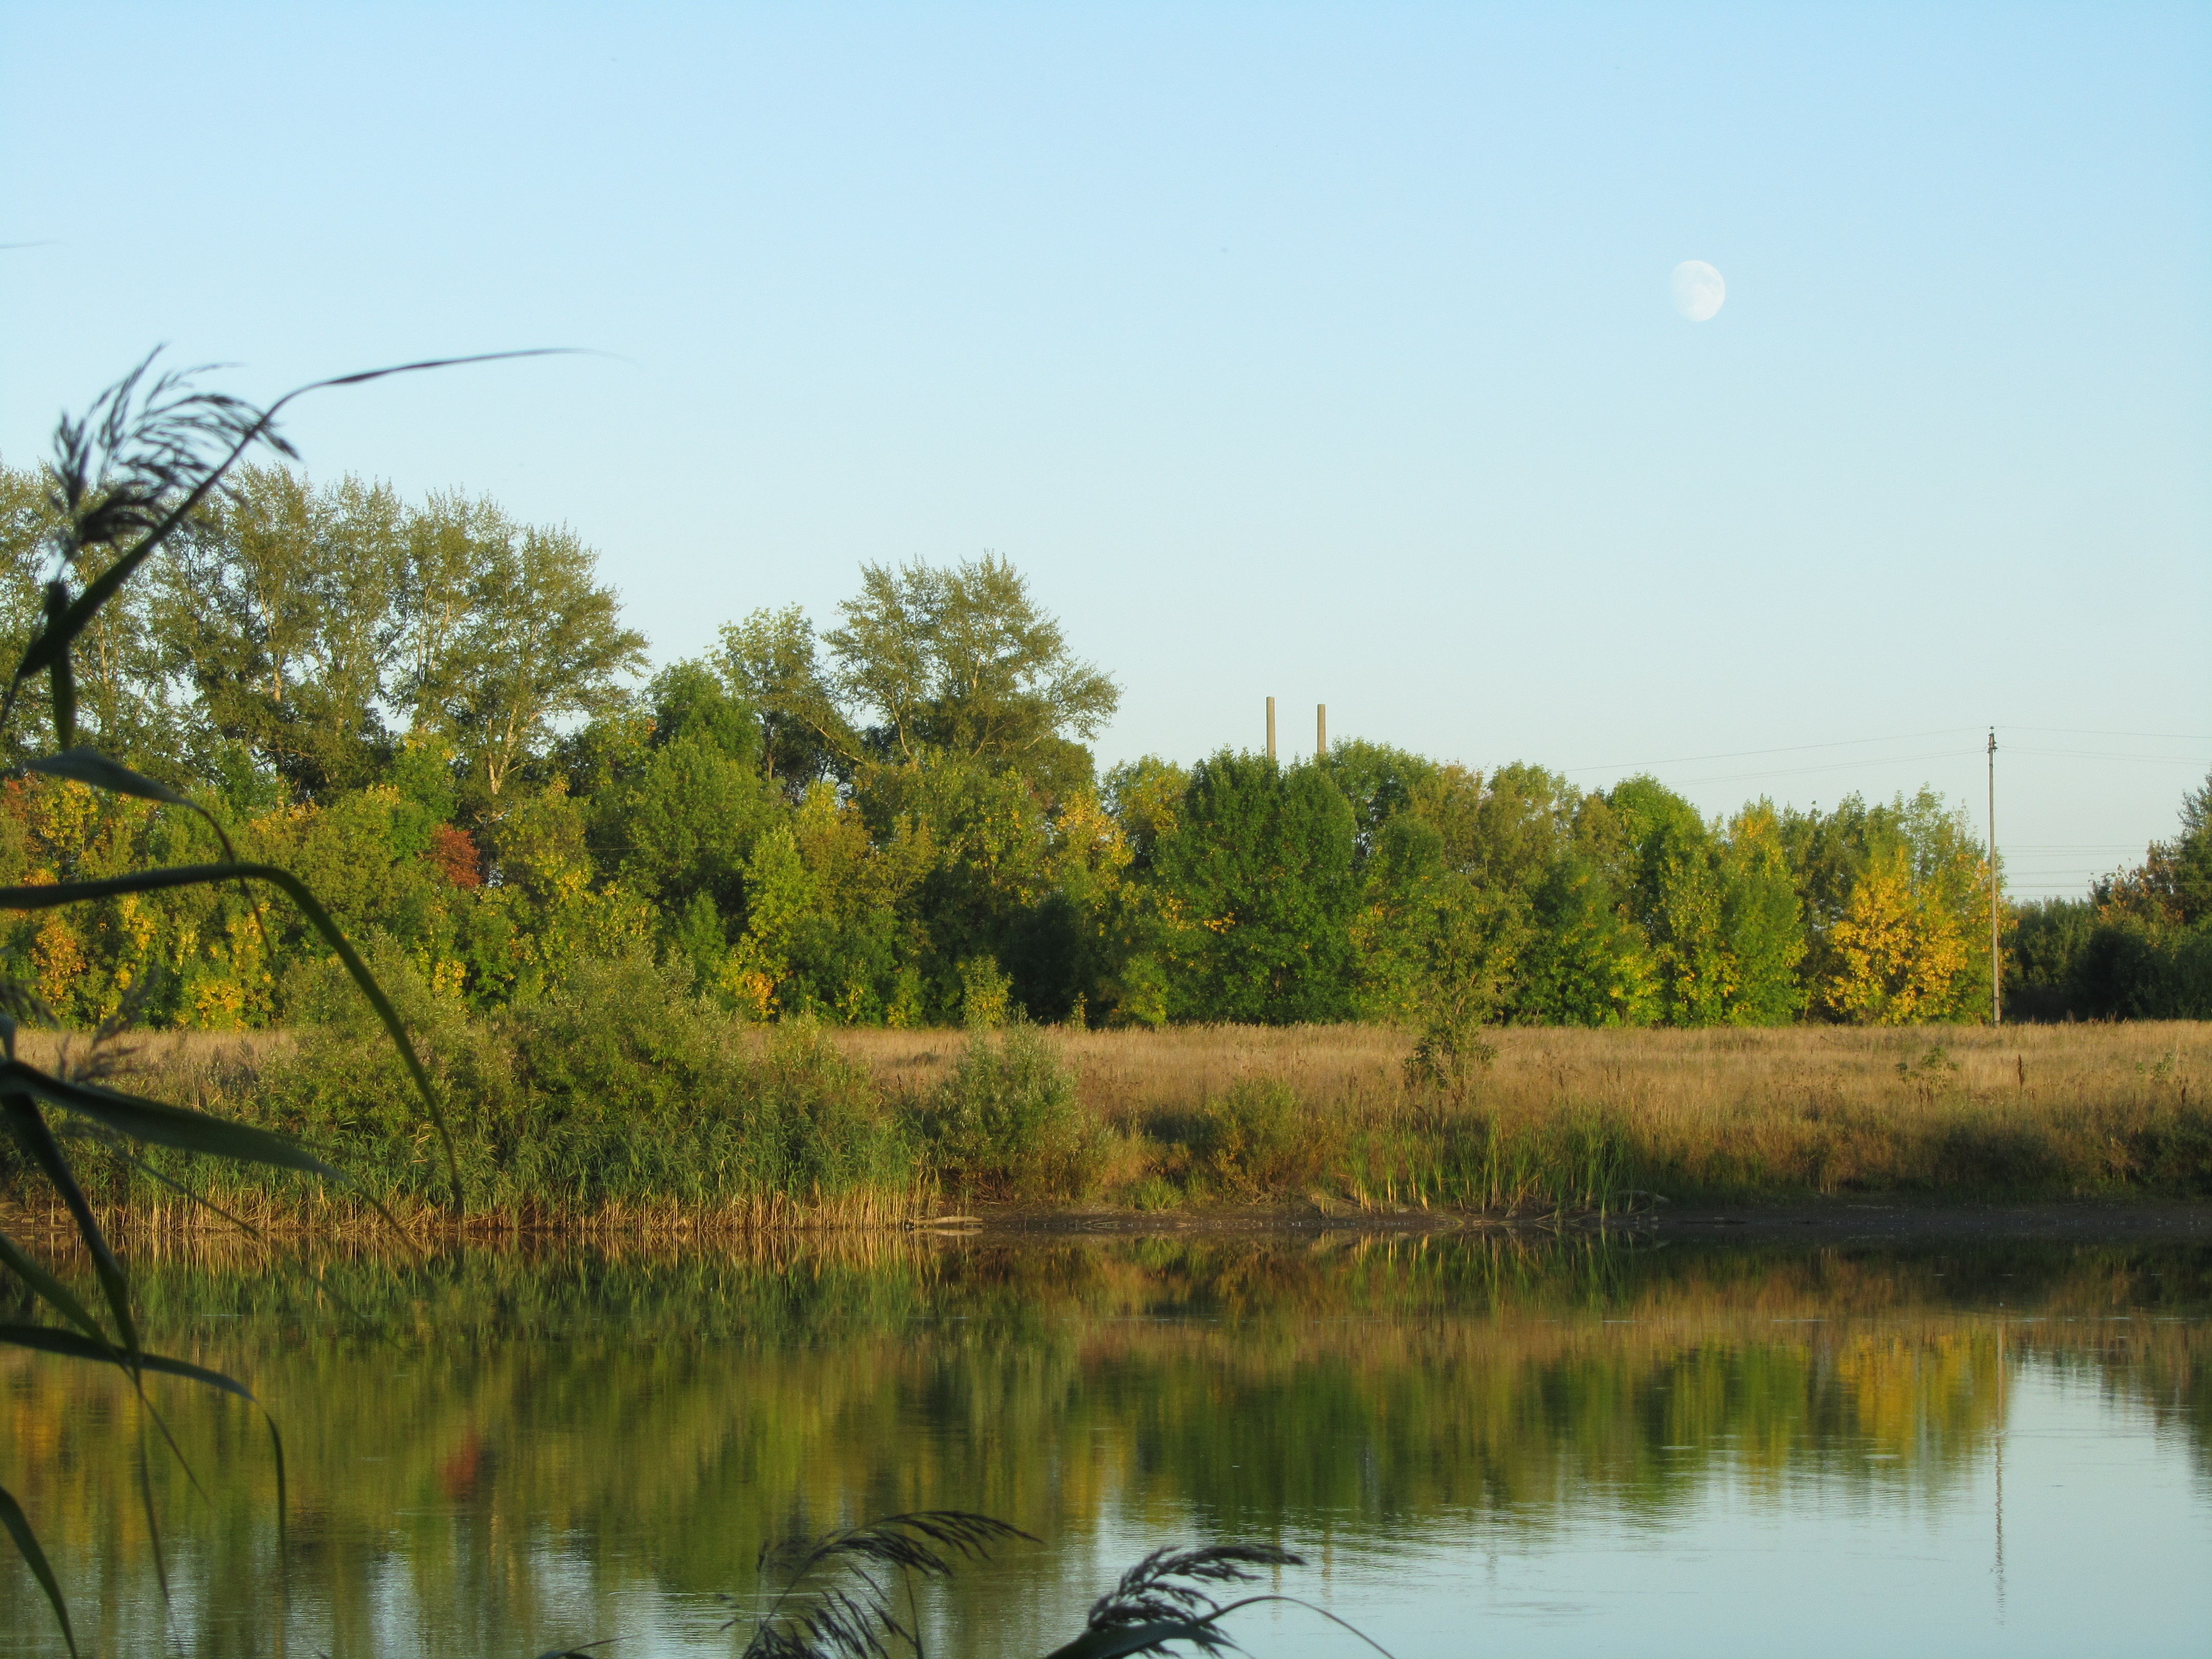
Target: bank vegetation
624	1102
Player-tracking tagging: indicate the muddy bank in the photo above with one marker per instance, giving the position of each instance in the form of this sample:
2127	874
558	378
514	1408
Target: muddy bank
1840	1221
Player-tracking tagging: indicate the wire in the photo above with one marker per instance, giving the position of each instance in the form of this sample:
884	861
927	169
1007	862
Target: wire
1910	736
1834	766
2091	754
2085	731
1792	749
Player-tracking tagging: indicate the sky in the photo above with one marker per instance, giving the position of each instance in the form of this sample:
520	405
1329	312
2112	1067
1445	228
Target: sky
1323	352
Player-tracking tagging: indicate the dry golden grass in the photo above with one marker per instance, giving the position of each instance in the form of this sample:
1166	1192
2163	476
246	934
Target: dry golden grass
1694	1079
1123	1077
1563	1120
1797	1110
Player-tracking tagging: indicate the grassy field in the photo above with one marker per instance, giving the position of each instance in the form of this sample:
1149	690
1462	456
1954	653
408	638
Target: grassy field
687	1121
2056	1110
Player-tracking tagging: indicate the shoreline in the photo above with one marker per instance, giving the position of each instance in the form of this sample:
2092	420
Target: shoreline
1855	1221
2101	1220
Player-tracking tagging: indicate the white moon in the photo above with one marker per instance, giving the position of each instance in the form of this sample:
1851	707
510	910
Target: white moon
1699	291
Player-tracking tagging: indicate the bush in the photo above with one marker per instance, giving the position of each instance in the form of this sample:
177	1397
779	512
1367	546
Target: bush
619	1086
1257	1138
1007	1123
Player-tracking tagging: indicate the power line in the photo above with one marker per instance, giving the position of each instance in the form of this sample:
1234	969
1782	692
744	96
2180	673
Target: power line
1910	737
2086	731
1791	748
1832	766
2107	754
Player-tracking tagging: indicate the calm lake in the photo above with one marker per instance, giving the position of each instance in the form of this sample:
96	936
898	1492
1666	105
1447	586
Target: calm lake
1482	1446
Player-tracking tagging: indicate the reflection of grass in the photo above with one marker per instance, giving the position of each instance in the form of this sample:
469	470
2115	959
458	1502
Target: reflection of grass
665	1415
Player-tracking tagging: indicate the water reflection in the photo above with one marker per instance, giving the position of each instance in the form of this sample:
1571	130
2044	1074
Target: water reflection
495	1451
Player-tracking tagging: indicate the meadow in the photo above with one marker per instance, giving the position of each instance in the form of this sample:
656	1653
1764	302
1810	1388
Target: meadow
630	1109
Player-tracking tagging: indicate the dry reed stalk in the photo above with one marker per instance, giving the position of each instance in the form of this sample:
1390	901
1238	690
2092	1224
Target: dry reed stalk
668	1221
1687	1076
1795	1109
1564	1119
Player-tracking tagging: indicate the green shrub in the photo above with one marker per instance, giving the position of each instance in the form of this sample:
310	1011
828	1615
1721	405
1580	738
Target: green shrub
1256	1138
1007	1123
619	1086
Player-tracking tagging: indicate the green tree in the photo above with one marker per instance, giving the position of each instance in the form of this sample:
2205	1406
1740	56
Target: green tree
1587	963
688	819
1505	832
1669	872
451	544
964	660
1378	780
544	641
1762	919
770	660
2145	951
991	862
279	614
1257	877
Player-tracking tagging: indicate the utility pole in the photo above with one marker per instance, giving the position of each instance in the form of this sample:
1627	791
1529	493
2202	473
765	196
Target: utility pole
1320	731
1270	728
1997	957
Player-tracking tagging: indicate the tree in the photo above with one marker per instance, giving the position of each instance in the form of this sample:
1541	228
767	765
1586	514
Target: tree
1378	780
1505	832
688	818
1671	875
279	613
543	640
1762	919
1904	950
769	660
1258	876
1586	963
965	661
2192	856
450	542
2173	886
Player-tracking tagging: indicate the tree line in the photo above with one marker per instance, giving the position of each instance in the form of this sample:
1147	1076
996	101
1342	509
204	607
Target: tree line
431	712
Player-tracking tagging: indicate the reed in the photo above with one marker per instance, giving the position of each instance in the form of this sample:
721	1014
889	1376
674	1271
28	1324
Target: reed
1584	1118
690	1124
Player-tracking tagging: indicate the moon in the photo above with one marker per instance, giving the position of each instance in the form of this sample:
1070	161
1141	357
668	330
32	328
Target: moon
1699	291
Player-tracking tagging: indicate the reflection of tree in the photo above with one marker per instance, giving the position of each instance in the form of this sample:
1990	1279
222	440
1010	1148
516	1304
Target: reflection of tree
478	1430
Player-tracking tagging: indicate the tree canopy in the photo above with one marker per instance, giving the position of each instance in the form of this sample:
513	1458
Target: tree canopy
435	713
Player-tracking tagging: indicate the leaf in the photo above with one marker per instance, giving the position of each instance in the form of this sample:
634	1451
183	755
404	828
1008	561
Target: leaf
51	1338
26	1545
49	1289
53	897
164	1125
88	765
1118	1640
52	643
31	1129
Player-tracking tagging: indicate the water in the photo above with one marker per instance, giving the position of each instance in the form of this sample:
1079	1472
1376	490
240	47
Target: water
1481	1447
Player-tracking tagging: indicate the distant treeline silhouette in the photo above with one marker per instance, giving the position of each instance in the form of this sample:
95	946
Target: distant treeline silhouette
427	711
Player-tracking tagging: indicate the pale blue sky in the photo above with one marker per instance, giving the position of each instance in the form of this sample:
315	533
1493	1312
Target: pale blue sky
1323	351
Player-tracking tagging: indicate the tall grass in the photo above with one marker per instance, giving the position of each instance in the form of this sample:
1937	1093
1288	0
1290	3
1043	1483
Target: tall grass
619	1101
621	1104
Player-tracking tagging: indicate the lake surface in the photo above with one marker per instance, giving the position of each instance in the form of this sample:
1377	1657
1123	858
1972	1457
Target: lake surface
1481	1446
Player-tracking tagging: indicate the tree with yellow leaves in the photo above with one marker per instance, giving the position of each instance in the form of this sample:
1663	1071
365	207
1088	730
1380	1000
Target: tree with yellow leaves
1903	952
